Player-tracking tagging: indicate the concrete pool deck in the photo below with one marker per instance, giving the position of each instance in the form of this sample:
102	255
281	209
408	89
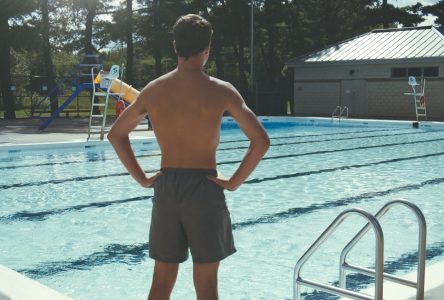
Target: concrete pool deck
14	286
25	131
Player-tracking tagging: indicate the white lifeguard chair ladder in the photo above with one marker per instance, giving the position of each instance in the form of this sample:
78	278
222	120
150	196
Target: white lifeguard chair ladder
97	122
418	98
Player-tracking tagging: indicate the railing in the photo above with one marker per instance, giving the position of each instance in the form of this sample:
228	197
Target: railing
379	257
419	284
378	273
69	80
340	112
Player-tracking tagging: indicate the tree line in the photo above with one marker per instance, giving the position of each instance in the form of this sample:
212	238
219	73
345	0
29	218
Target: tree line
41	37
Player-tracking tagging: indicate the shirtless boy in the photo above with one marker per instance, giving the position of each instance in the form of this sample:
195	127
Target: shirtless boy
186	107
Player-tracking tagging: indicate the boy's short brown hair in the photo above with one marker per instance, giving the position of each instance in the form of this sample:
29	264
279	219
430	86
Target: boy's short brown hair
192	35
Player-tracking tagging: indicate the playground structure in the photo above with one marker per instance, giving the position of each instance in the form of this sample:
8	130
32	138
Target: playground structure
73	84
418	97
88	75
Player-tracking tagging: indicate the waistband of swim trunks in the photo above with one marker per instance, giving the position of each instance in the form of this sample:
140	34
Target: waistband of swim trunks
188	171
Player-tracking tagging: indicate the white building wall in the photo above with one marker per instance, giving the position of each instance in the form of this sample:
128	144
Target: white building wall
435	98
313	98
387	99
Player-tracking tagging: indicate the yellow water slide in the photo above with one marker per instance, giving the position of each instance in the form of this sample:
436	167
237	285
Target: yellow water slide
129	94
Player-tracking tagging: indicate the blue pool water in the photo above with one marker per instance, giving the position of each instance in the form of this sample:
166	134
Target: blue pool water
73	219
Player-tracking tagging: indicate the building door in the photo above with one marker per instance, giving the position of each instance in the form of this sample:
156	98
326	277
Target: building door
354	96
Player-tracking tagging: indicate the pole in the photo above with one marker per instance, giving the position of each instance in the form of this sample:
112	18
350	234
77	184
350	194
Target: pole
252	53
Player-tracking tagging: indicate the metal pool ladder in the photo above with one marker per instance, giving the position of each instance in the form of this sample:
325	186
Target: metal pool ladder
340	113
378	273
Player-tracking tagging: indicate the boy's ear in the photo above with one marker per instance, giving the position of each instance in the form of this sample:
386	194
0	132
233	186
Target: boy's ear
208	48
206	51
174	46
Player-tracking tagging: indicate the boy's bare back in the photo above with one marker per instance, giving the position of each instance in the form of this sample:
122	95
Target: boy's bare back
186	107
186	111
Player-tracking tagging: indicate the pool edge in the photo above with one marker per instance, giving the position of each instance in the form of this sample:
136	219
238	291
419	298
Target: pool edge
15	286
303	121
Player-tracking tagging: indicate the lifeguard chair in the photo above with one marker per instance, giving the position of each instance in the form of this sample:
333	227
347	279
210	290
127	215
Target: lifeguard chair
418	97
102	89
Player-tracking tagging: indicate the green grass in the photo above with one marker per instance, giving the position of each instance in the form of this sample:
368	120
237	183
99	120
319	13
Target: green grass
23	105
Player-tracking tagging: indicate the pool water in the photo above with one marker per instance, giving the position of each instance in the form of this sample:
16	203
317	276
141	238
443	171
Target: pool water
73	219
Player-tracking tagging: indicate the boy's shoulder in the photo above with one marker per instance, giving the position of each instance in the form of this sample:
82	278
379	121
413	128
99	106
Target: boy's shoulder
224	88
220	83
160	80
155	85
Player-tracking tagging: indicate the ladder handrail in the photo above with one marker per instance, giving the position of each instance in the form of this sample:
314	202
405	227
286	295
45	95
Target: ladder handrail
345	108
333	114
379	258
340	110
419	284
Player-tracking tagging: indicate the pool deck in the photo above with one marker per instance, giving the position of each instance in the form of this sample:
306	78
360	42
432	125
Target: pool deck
25	131
14	286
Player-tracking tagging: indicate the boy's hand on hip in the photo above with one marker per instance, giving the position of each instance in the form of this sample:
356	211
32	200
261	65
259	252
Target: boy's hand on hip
223	182
148	181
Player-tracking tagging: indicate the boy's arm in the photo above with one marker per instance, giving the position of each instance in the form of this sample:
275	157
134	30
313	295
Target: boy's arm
118	137
253	129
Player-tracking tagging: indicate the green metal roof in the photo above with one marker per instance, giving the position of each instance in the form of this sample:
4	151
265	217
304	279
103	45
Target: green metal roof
382	44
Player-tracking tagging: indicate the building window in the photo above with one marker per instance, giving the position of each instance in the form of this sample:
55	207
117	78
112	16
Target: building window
431	72
417	72
399	72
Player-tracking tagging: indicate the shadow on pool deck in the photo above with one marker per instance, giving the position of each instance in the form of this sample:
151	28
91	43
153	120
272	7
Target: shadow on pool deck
25	131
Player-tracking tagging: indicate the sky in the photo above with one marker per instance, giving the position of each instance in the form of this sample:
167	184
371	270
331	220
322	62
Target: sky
429	19
411	2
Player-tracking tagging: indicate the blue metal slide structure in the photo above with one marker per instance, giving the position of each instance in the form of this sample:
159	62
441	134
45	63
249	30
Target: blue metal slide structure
55	114
78	79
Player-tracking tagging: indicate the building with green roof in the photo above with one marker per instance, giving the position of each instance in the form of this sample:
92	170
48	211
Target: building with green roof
369	74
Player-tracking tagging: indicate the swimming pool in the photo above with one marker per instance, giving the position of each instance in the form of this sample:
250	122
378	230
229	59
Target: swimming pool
74	220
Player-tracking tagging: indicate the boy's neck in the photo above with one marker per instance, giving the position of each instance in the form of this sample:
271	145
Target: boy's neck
192	64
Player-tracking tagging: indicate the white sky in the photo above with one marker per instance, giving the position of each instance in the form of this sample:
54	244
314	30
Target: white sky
412	2
429	19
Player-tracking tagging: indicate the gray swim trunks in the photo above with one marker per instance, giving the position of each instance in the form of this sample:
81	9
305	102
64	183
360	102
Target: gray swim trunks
189	211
